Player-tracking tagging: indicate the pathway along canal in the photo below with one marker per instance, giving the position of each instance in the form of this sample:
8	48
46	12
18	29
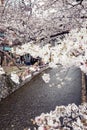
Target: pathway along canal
37	96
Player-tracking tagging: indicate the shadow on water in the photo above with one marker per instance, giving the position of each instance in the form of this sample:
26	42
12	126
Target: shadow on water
37	96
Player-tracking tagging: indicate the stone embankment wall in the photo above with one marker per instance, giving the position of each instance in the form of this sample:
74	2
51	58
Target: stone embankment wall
3	87
7	86
84	90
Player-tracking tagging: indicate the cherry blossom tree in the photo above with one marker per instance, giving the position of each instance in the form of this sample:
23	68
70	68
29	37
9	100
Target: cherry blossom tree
39	20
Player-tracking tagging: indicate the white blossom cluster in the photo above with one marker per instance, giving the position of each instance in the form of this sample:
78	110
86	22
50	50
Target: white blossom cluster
64	118
71	51
2	71
46	77
15	78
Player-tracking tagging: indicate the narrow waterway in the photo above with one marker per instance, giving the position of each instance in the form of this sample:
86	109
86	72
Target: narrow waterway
37	97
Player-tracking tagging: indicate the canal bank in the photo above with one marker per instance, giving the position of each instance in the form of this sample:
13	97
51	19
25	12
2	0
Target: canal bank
9	85
84	88
64	87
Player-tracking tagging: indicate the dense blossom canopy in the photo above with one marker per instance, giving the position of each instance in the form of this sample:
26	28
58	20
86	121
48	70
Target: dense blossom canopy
71	52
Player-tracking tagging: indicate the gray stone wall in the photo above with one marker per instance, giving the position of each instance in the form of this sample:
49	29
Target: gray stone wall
6	86
4	90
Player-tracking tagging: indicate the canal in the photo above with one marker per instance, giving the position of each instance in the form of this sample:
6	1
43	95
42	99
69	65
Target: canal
36	97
